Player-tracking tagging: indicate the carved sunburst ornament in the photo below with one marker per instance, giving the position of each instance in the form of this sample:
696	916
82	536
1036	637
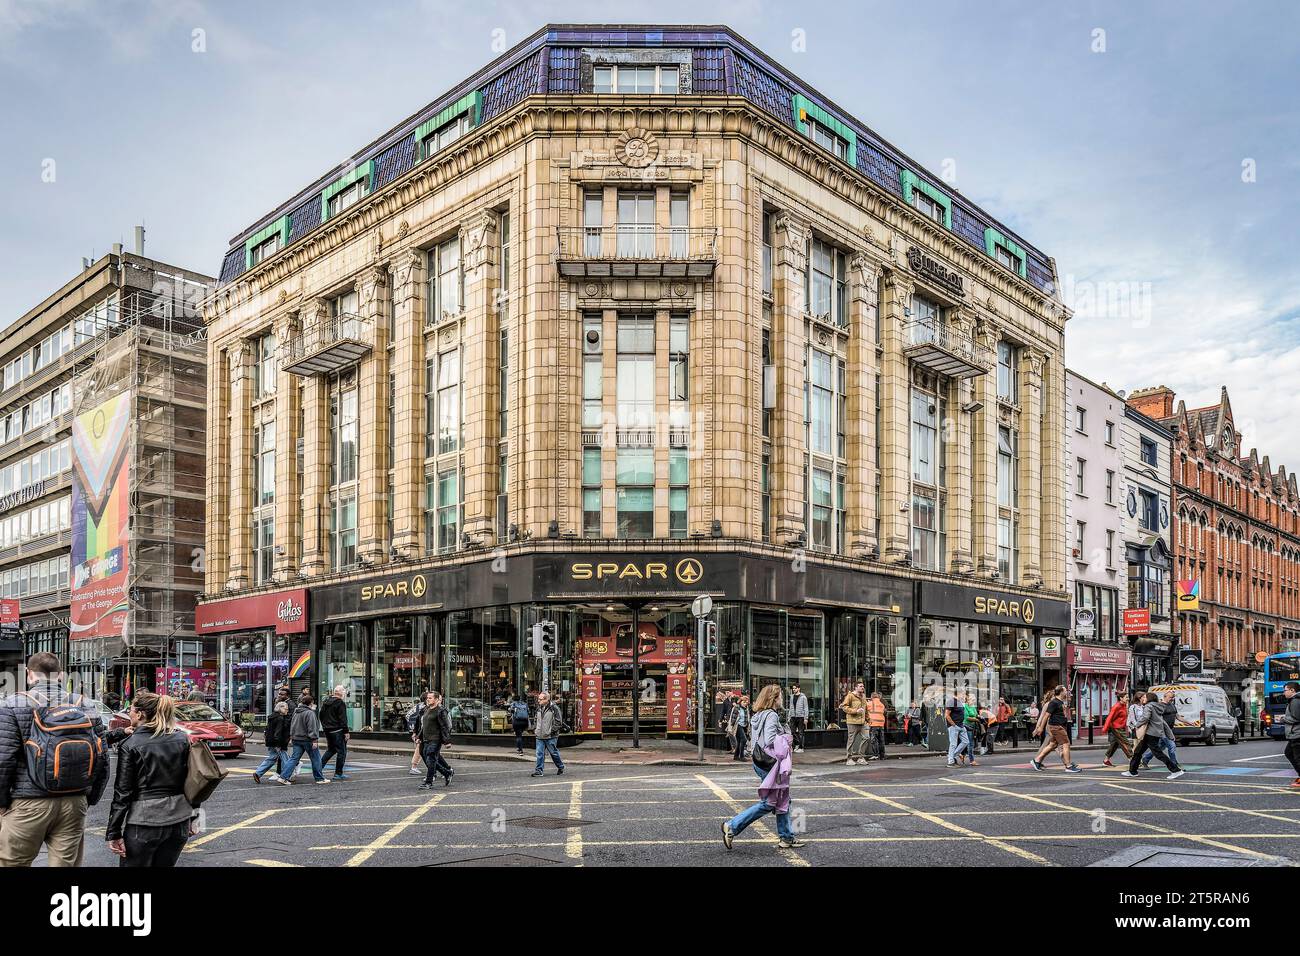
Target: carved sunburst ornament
636	147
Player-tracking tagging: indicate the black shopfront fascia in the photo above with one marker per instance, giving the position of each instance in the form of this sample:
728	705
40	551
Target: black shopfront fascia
987	605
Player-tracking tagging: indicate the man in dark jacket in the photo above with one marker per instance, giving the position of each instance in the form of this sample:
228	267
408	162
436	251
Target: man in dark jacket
435	733
30	816
334	722
1291	721
277	743
303	731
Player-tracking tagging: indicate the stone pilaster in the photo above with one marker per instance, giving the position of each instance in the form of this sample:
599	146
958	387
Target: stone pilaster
789	348
288	506
217	527
860	429
895	422
984	471
372	501
315	460
1031	475
957	454
1054	492
240	537
408	383
480	358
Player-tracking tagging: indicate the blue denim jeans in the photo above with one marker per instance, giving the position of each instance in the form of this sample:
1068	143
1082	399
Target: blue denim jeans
301	747
275	758
550	745
745	817
959	740
1168	745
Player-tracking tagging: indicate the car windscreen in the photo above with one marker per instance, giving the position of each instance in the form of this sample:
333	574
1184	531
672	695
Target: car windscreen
197	712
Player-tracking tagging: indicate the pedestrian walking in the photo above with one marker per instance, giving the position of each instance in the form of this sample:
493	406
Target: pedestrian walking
549	724
1168	706
988	724
277	744
971	728
954	717
1291	721
150	818
854	706
518	710
1152	727
334	723
1116	729
798	716
876	725
772	765
738	724
912	724
1003	716
303	731
36	809
413	718
435	735
1052	724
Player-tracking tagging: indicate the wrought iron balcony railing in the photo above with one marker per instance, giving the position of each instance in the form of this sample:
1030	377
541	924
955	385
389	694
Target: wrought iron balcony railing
636	251
328	345
944	350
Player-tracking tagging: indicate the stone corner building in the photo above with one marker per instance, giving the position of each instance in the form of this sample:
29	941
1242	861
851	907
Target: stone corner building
631	315
1237	532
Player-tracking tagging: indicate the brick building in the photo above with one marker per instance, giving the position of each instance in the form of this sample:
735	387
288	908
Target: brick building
631	315
1237	531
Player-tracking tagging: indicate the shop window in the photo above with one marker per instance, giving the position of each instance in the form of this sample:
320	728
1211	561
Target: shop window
343	663
401	668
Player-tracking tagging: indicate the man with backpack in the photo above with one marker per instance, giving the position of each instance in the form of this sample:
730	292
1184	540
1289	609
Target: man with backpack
44	802
518	709
550	724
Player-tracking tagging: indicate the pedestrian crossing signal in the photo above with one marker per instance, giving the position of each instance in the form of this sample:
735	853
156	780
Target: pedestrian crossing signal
710	638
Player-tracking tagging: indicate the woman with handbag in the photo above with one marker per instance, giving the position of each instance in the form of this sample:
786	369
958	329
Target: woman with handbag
773	744
150	818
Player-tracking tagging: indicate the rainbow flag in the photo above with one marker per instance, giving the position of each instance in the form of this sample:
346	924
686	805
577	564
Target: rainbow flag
300	665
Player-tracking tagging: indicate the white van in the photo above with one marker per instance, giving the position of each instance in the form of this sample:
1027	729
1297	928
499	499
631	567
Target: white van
1203	712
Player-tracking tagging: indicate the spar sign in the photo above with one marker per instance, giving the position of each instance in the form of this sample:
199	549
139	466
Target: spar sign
101	469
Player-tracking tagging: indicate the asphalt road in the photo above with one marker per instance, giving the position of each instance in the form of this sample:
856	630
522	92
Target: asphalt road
1234	807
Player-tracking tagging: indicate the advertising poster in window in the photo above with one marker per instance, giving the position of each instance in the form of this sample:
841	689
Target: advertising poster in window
101	470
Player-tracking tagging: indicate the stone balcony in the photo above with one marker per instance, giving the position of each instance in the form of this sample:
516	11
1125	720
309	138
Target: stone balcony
636	252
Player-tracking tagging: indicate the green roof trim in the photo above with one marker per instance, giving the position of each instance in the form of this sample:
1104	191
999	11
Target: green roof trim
470	101
993	238
363	172
281	226
912	181
805	109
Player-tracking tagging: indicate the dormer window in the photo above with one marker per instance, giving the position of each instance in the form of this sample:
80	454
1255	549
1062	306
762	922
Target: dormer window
827	140
628	78
927	206
1007	252
348	197
446	134
264	250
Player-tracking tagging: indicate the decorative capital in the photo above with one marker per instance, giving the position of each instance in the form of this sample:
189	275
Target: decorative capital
408	271
1032	362
478	241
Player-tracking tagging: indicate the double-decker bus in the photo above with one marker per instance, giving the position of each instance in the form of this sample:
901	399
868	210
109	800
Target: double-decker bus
1278	671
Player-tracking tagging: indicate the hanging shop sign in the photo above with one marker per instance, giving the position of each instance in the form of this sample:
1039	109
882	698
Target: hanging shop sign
931	268
1137	621
1189	595
286	611
1190	661
1103	660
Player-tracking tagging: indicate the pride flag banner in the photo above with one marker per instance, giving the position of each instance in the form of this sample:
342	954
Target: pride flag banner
101	472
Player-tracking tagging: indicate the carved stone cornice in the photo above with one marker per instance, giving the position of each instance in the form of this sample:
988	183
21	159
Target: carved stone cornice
541	115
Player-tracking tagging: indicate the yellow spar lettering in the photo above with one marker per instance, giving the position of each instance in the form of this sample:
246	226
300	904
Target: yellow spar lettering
370	592
584	571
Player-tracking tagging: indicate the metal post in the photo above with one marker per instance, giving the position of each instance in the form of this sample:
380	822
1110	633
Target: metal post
699	686
636	675
546	673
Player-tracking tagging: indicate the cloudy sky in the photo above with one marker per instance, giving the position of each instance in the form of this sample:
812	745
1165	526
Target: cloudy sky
1153	148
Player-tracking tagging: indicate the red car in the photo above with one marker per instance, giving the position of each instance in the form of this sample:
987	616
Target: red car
203	723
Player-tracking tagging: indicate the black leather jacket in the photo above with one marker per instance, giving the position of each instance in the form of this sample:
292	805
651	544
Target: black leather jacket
435	727
147	766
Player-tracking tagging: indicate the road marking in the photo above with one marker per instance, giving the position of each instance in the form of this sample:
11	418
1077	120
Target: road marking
388	835
791	857
947	825
1236	784
573	845
1200	803
1281	757
1111	816
209	837
271	863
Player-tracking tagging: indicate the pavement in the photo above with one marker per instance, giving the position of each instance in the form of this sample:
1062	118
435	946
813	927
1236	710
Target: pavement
1234	807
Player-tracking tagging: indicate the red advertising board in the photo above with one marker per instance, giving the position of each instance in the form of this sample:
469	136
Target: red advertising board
10	613
286	611
589	716
1109	660
616	648
178	682
679	702
1137	621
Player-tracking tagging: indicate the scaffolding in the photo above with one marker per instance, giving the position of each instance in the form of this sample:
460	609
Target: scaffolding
154	346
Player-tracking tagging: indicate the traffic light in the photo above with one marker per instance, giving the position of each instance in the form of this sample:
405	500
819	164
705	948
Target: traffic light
710	638
545	639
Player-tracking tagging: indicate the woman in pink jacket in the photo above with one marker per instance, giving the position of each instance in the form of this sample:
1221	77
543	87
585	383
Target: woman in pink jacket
772	743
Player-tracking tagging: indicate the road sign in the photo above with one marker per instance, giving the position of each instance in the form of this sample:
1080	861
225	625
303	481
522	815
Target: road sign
702	605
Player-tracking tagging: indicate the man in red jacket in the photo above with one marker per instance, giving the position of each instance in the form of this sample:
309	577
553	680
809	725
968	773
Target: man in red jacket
1116	728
